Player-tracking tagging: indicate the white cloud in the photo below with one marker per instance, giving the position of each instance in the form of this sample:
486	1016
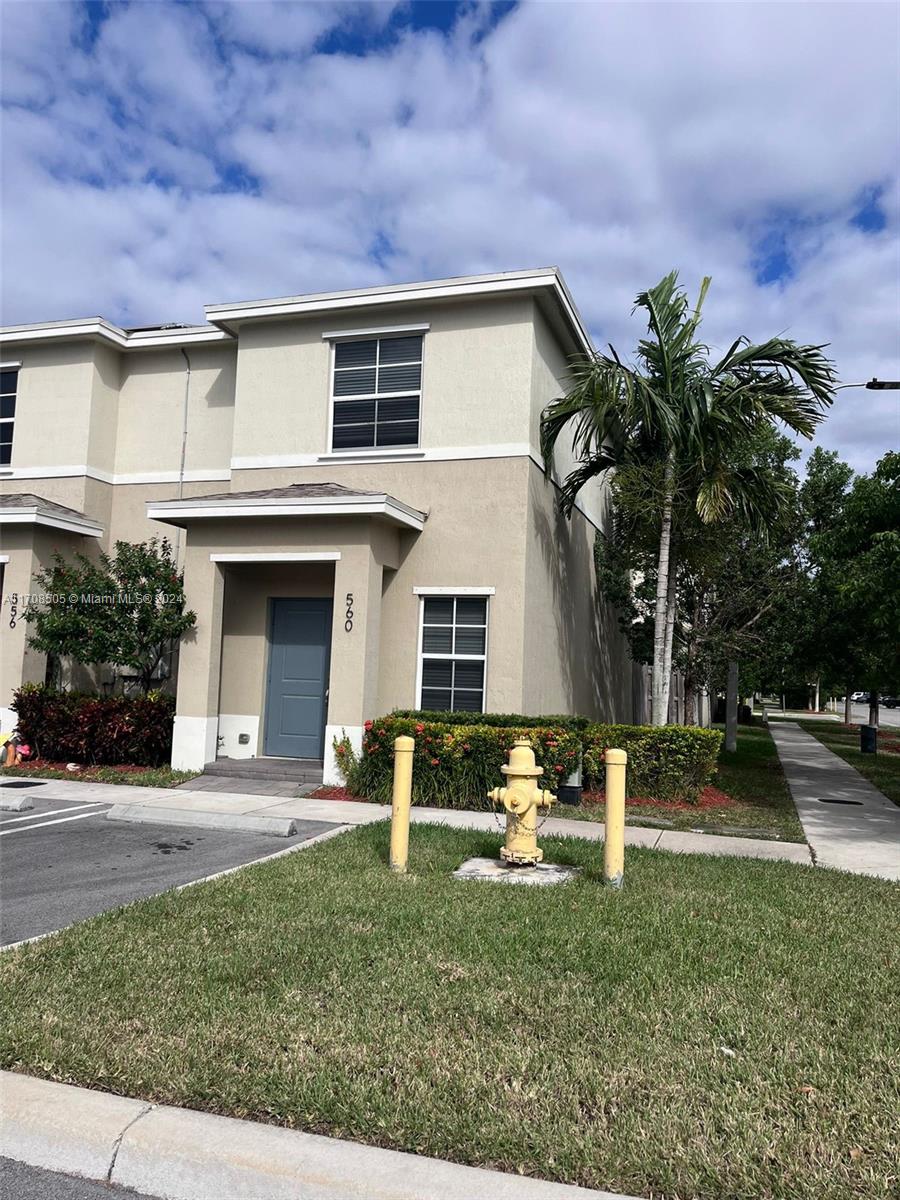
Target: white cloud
615	140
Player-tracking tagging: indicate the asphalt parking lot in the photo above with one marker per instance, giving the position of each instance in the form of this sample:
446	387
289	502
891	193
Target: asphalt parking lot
62	861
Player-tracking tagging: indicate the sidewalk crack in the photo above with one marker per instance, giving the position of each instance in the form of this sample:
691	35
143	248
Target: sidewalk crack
118	1142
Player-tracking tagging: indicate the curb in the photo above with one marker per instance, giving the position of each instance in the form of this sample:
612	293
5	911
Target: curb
233	822
17	804
185	1155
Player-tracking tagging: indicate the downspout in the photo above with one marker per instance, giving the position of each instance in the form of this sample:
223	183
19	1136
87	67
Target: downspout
184	432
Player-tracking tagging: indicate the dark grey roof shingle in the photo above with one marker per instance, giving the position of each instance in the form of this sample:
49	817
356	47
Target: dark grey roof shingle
48	507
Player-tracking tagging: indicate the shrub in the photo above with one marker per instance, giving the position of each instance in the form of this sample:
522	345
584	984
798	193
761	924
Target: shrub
110	730
458	760
454	765
668	762
505	720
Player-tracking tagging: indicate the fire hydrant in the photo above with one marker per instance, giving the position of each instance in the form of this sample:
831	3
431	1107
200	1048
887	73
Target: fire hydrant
521	798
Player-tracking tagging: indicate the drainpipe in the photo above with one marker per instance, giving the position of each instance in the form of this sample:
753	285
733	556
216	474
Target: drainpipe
184	431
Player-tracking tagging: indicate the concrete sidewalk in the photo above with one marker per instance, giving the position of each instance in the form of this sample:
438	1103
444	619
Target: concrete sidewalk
346	812
185	1155
863	833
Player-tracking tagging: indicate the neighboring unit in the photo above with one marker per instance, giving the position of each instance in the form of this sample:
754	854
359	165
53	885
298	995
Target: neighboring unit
353	484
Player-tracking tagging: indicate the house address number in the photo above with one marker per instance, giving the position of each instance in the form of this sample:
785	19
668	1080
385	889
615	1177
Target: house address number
348	623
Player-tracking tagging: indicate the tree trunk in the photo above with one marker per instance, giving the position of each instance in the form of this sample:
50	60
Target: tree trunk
731	707
873	708
659	685
848	706
670	630
817	693
690	700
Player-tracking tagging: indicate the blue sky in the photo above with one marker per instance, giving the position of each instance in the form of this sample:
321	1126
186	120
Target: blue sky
157	156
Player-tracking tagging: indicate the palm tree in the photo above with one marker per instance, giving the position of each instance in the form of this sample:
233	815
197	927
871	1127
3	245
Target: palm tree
680	412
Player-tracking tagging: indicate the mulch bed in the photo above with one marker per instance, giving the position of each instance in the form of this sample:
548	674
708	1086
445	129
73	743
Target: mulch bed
84	769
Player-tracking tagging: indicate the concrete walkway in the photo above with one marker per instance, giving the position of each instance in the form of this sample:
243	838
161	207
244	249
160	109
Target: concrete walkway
860	835
346	812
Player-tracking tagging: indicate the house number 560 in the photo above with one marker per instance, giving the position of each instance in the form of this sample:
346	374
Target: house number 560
348	623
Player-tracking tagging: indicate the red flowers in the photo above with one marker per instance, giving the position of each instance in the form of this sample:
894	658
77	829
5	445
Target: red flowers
420	728
368	725
435	761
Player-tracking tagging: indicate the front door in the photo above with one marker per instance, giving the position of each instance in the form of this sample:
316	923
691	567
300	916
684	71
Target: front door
300	641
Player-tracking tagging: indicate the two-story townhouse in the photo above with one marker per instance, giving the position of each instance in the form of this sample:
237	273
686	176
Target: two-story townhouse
355	490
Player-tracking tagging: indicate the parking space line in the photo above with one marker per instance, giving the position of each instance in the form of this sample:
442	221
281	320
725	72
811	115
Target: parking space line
44	824
54	812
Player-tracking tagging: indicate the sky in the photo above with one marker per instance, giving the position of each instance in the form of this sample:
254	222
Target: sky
157	156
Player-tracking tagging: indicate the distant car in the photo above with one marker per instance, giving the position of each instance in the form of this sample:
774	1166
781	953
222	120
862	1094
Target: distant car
891	701
859	697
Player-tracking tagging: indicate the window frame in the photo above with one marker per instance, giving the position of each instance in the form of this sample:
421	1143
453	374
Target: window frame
451	593
11	369
376	335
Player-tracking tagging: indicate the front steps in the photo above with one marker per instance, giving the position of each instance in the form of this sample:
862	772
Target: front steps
303	772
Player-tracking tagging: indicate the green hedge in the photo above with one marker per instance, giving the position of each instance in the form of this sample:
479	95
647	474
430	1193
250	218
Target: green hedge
668	762
456	764
504	720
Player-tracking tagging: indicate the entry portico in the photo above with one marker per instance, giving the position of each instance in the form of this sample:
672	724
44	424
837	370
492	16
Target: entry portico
287	585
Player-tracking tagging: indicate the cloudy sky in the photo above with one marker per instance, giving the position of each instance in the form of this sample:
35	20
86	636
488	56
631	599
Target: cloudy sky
159	156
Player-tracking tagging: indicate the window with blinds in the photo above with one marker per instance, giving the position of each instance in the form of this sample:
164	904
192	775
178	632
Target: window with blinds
454	653
9	380
376	393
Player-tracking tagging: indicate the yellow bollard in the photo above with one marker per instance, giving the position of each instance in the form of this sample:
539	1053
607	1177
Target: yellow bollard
614	842
403	767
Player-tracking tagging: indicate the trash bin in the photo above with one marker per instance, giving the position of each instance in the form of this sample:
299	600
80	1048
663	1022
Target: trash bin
868	739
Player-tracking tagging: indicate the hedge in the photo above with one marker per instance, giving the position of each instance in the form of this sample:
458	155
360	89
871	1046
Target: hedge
665	762
504	720
111	730
456	764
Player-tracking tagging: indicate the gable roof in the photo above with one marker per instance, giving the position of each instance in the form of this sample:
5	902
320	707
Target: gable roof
27	508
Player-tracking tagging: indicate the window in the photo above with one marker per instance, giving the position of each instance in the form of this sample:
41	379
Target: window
454	650
376	393
8	382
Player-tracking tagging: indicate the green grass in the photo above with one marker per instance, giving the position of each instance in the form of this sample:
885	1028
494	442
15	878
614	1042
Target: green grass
752	777
881	769
721	1029
162	777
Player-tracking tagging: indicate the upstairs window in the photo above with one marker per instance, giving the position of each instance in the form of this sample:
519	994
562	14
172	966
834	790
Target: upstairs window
8	384
454	652
376	393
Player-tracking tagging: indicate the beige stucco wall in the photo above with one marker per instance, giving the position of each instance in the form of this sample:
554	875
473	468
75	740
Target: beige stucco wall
577	659
151	410
475	377
53	404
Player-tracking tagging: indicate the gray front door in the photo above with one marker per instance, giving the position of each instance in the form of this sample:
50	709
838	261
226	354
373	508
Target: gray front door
299	645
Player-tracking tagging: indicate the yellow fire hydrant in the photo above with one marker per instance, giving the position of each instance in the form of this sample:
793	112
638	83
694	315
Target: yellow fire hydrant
521	798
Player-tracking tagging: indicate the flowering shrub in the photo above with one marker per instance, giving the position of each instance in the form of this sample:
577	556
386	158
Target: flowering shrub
668	762
92	729
454	766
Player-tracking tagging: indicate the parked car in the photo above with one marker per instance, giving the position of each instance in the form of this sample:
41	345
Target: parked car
891	701
859	697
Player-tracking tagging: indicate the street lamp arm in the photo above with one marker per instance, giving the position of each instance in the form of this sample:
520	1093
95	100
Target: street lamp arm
874	385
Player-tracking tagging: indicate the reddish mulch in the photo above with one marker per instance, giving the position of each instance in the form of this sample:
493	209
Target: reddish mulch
336	793
41	764
710	797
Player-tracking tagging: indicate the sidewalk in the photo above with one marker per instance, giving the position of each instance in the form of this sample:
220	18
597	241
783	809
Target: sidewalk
861	835
187	1155
346	812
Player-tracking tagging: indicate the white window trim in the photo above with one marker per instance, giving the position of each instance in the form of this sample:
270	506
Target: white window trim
288	557
10	366
372	450
422	593
10	420
338	335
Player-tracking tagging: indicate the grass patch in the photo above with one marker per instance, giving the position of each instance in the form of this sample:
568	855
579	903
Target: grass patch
719	1029
750	793
881	769
163	777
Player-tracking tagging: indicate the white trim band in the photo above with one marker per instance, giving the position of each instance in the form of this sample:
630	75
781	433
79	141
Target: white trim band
336	335
175	511
31	515
10	366
287	557
455	591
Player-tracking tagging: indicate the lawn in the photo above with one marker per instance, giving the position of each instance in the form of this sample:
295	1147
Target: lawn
134	776
720	1029
881	769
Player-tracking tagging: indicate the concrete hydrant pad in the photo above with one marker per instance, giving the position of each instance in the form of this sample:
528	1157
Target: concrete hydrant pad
495	871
